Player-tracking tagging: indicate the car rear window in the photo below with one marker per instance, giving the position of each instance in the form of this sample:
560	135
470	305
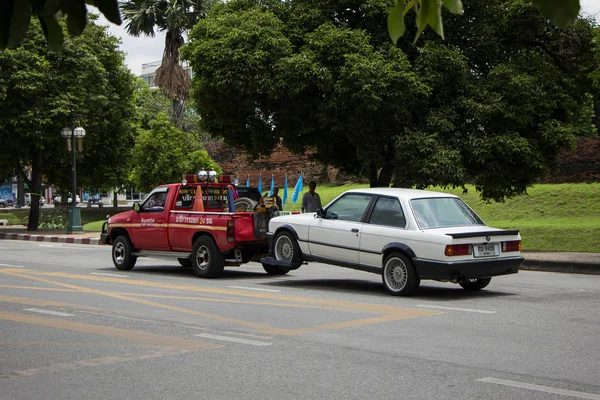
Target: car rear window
443	212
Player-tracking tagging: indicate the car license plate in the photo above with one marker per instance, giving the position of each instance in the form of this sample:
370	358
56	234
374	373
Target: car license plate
486	250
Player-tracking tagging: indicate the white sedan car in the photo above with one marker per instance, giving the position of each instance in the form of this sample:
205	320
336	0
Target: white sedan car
403	234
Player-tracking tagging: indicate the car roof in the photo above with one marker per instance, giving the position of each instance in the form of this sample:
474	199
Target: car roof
407	194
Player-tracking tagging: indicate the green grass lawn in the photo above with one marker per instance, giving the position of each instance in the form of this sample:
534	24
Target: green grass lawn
554	217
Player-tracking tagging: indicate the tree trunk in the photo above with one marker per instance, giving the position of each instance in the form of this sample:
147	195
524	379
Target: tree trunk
35	187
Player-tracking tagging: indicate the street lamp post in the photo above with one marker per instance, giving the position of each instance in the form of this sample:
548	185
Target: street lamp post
74	224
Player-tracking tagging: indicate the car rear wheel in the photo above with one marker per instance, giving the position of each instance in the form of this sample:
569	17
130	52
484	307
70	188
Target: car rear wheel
122	254
285	248
474	283
399	275
207	261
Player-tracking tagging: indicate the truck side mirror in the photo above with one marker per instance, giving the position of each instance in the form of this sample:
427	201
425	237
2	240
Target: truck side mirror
136	206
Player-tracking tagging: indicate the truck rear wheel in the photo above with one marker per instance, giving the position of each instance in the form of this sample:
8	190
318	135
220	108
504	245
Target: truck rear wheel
122	254
207	261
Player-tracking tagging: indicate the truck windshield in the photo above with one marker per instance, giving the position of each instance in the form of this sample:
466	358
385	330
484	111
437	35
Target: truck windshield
443	212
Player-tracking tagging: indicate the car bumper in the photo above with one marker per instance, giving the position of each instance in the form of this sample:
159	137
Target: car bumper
430	269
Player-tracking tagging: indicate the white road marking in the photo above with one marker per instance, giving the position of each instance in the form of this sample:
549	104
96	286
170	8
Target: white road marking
57	313
545	389
456	309
12	266
258	289
50	245
233	339
103	274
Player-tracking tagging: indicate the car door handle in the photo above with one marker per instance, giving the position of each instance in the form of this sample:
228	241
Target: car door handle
354	230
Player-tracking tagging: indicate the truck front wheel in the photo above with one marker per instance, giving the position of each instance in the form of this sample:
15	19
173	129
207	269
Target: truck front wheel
122	254
207	261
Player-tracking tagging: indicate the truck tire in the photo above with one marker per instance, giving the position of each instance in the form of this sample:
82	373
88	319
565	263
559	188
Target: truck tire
245	204
185	262
399	275
474	284
122	254
285	248
275	270
207	261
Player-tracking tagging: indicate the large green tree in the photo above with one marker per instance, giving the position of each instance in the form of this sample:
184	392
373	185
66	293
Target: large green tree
493	104
162	154
42	91
15	15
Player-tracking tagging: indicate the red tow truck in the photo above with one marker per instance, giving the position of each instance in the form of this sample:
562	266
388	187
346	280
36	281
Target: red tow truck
195	222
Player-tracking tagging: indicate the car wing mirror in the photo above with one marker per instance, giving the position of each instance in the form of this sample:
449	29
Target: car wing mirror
321	213
136	206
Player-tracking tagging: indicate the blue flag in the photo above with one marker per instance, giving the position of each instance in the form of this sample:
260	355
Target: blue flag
272	185
285	188
237	181
260	184
297	189
248	181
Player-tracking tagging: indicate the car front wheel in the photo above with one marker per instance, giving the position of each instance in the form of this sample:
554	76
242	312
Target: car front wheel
399	275
122	254
285	248
207	261
474	284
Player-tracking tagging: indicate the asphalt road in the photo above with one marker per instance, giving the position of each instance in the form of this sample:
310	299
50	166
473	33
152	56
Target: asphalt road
73	327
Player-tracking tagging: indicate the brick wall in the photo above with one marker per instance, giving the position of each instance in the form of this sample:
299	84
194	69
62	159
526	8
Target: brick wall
582	165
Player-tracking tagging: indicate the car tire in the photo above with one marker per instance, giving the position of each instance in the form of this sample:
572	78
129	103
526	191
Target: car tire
207	261
473	285
275	269
185	262
122	254
399	275
245	204
2	205
286	248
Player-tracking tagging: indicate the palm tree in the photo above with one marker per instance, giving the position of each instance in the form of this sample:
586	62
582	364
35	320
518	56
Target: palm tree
176	17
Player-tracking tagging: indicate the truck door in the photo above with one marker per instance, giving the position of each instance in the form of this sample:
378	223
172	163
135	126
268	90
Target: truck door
149	225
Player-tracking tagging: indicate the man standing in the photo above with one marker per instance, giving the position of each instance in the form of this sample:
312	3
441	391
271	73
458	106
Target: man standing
311	201
277	198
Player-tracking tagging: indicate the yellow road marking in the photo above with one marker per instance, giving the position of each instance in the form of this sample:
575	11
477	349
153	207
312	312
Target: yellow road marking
391	313
100	330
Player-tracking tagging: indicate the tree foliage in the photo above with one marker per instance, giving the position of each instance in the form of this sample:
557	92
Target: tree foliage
42	91
492	105
15	16
162	155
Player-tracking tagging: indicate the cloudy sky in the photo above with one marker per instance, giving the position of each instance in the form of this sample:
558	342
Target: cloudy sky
143	49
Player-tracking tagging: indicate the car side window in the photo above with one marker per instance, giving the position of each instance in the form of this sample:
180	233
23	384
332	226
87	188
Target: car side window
350	207
388	212
185	197
155	202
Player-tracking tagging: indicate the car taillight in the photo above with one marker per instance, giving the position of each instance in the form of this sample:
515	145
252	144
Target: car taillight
458	250
514	245
231	230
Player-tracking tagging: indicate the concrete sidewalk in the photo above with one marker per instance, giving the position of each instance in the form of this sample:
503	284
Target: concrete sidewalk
577	263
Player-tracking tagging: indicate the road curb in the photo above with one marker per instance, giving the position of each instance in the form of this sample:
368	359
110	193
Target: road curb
50	239
570	267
